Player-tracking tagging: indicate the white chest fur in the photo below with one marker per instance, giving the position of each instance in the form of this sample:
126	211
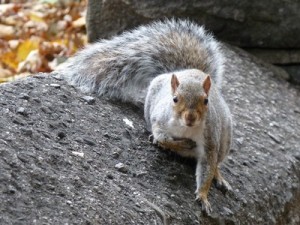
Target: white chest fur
178	130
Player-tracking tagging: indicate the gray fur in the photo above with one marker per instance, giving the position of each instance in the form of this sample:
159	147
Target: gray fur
216	126
123	67
212	134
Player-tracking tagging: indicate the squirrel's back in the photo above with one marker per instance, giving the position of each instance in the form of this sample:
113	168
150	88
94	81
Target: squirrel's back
123	66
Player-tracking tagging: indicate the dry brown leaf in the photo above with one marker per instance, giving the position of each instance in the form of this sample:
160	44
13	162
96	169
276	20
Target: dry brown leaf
12	20
61	25
5	73
32	63
13	44
9	59
25	48
5	8
79	22
58	31
6	31
36	17
50	48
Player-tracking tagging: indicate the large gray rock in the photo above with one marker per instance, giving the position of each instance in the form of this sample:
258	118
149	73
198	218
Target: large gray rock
272	29
69	158
244	23
277	56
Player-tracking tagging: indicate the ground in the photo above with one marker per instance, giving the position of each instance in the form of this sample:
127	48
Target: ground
70	158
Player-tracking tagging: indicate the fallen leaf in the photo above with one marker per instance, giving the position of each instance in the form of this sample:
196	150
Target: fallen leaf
36	36
5	73
13	44
6	31
6	7
25	48
32	62
36	17
79	22
9	59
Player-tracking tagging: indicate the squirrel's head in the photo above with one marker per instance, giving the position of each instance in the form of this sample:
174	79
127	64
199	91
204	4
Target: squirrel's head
190	100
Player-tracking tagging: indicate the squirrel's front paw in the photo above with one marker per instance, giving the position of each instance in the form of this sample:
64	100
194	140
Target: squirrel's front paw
185	143
159	139
154	140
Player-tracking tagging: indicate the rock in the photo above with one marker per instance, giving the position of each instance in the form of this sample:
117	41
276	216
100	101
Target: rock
289	60
55	85
24	96
89	141
116	154
11	189
277	56
26	131
240	140
22	111
89	99
294	72
227	211
46	109
18	120
121	167
80	154
254	24
47	180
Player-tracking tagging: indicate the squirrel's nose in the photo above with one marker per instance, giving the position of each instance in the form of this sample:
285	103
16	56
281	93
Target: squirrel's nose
190	119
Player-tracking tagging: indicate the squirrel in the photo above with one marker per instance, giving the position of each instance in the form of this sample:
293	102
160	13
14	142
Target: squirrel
173	69
186	105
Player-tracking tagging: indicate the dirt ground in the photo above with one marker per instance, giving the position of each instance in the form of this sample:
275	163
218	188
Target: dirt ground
70	158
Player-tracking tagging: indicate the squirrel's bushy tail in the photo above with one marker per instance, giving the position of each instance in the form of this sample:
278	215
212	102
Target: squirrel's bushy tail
123	66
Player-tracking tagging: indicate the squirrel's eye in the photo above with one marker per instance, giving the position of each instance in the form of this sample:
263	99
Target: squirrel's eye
175	99
205	101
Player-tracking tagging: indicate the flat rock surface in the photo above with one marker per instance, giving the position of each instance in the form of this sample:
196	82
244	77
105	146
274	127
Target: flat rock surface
72	158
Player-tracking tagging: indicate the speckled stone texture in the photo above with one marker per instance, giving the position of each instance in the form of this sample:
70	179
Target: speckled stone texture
268	29
72	158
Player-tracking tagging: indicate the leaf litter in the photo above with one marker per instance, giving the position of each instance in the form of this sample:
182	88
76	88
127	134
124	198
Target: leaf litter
36	36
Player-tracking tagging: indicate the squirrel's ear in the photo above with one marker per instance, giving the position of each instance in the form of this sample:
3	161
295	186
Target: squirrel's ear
206	84
174	83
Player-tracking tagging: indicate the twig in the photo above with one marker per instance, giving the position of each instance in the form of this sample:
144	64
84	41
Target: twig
164	217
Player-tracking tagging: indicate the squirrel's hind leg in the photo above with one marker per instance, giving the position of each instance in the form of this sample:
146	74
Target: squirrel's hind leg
221	183
202	190
202	193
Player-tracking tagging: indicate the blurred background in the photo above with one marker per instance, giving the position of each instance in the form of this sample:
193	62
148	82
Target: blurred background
37	35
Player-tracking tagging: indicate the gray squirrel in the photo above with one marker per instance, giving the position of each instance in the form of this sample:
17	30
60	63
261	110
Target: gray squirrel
174	69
